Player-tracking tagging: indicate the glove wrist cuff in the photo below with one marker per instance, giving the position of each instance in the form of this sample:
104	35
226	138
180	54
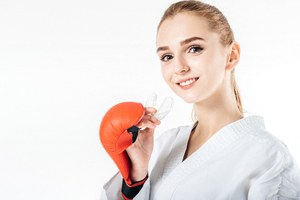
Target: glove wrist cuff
130	191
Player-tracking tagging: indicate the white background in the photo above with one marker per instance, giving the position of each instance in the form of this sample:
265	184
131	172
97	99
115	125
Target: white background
64	63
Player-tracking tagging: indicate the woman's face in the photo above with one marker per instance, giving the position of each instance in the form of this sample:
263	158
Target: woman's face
192	58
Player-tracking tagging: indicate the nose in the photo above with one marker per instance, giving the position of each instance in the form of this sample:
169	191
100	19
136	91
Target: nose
181	66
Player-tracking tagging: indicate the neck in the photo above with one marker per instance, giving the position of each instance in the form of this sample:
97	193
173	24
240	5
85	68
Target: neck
216	112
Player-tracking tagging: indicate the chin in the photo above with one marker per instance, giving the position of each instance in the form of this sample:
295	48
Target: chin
190	98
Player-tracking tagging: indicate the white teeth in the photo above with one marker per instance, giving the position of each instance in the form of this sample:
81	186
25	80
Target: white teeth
187	82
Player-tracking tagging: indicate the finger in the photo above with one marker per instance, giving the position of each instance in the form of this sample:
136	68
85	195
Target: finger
154	120
151	118
147	132
146	124
150	111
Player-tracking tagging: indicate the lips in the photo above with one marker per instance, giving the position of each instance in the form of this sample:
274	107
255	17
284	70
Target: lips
187	83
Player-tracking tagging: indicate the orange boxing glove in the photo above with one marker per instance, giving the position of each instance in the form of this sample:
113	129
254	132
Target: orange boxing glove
118	131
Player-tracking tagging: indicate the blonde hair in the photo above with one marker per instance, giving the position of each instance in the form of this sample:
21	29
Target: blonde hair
217	23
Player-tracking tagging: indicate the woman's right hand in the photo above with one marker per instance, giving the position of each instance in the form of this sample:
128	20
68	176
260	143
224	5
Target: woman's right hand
140	151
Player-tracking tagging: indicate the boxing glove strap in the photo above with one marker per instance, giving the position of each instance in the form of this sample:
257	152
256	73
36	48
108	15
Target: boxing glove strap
130	191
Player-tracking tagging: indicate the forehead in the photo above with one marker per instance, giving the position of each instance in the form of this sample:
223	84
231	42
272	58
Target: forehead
182	26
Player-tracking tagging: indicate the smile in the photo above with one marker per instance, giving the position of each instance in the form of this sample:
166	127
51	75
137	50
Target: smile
187	82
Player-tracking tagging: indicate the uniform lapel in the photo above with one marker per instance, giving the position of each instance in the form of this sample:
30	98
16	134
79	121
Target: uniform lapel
176	170
178	151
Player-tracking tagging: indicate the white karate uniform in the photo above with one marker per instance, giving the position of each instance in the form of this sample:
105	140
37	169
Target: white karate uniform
241	161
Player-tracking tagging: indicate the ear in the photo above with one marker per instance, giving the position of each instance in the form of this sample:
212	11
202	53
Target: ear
234	56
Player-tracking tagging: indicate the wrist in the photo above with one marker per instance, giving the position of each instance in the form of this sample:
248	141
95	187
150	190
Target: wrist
138	175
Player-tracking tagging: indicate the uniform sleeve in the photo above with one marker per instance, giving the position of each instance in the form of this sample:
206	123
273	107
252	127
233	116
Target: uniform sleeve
112	189
281	181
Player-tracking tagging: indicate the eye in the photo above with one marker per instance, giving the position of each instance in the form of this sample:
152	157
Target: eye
166	58
195	49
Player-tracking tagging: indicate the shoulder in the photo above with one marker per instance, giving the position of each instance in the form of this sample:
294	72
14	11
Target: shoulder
257	144
276	168
278	171
254	130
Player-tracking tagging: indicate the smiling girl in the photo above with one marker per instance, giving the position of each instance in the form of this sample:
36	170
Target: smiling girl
225	154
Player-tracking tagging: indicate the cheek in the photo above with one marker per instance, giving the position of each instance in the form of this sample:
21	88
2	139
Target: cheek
166	73
215	71
215	62
210	66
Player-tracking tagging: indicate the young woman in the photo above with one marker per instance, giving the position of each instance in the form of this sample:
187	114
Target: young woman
224	155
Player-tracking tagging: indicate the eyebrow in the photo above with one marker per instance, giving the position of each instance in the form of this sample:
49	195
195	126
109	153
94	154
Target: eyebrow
184	42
